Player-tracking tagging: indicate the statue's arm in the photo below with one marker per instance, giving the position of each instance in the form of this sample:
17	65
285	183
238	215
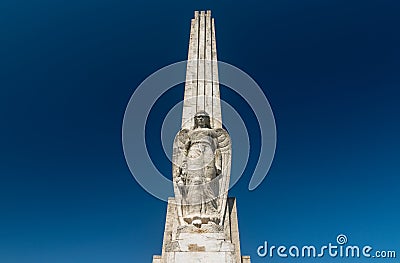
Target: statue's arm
218	161
184	168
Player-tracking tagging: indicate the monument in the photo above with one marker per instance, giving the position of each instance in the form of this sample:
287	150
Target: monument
201	223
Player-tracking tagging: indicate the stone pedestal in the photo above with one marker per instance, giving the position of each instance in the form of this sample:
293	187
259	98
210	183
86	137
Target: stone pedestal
206	244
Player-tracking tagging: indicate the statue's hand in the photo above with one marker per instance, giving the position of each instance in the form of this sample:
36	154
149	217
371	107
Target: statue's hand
184	169
180	182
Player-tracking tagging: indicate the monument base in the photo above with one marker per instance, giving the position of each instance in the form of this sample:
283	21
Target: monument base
209	243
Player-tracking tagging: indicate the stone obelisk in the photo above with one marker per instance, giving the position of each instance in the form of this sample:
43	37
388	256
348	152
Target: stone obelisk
201	223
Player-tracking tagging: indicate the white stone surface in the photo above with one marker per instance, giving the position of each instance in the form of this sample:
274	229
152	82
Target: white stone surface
207	244
203	257
208	68
210	242
200	63
216	95
189	106
202	86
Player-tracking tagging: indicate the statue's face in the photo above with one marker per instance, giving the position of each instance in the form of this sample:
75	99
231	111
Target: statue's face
202	121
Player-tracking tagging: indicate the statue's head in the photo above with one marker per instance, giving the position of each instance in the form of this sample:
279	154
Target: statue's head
202	120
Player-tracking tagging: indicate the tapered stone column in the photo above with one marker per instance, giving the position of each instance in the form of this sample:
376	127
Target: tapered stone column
201	223
201	86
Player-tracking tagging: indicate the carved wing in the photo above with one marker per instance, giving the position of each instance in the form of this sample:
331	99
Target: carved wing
224	151
178	159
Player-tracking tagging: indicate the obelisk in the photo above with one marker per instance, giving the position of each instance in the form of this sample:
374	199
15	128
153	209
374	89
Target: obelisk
201	223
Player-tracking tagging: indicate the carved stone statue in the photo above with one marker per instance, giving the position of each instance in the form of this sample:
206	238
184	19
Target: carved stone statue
201	166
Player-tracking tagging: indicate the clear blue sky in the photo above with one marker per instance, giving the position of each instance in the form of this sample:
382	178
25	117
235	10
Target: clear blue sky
330	70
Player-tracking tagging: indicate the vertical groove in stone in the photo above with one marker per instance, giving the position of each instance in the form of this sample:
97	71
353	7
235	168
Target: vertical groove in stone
201	64
190	95
197	62
202	85
217	116
208	69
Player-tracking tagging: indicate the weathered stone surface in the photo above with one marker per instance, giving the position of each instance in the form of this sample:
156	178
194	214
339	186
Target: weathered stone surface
201	169
209	243
156	259
202	85
203	257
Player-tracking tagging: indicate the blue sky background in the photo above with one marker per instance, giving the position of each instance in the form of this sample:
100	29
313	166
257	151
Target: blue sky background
330	70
